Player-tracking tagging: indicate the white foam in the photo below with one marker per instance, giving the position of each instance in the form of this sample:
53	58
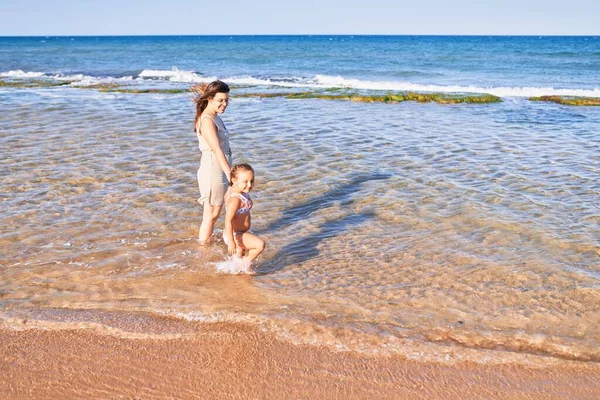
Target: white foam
84	80
288	82
77	79
327	82
175	75
197	316
21	74
318	81
233	265
341	82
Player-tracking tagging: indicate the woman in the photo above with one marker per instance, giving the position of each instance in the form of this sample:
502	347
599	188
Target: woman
215	165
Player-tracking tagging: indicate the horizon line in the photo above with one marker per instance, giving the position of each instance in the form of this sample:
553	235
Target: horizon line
300	34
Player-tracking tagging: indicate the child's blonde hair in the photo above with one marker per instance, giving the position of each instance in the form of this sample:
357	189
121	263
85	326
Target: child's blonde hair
237	168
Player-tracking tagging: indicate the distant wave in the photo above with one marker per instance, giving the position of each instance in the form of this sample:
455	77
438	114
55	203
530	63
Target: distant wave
340	82
317	82
175	75
327	81
22	74
78	79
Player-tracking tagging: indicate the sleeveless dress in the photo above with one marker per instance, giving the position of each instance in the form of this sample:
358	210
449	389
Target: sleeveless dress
212	181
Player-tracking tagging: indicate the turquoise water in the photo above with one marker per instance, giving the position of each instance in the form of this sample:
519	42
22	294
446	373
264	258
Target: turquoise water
436	232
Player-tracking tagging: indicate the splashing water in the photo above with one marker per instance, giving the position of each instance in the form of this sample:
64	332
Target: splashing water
234	265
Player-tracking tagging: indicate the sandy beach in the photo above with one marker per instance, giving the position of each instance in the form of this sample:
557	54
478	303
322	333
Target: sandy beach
221	360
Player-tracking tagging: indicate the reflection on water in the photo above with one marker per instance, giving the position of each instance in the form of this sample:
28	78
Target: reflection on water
388	226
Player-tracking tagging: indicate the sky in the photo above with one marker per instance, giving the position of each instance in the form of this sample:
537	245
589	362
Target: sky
263	17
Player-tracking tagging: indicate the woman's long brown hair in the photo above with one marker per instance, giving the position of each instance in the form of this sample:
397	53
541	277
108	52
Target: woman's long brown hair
202	93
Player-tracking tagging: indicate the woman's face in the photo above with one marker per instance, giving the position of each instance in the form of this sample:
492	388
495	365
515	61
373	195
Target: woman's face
219	102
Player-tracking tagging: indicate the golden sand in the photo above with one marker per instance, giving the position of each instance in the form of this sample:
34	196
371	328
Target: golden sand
232	361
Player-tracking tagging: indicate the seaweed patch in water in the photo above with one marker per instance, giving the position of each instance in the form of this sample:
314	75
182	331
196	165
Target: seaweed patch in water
442	98
569	100
35	83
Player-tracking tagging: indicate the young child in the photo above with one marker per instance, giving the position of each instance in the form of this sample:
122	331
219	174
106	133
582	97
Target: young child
237	236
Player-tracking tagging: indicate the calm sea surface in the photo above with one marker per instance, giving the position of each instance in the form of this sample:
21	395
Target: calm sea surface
437	232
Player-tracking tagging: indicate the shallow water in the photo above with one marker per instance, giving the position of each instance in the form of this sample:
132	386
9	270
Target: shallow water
435	231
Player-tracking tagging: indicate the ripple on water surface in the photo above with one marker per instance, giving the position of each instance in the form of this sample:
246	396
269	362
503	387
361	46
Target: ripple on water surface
470	226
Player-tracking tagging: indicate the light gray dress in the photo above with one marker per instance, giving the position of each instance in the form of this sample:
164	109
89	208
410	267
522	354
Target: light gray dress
212	181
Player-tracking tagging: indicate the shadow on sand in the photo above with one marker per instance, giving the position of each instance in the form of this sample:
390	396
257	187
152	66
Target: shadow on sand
306	248
340	193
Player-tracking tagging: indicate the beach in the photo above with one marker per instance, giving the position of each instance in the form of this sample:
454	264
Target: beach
430	207
237	361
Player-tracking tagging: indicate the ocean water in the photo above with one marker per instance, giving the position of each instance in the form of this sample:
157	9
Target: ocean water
436	232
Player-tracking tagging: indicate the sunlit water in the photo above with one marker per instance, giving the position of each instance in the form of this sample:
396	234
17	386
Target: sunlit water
432	231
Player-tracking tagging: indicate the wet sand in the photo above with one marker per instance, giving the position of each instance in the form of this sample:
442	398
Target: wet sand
234	361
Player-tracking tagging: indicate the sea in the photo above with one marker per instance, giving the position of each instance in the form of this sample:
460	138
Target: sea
434	232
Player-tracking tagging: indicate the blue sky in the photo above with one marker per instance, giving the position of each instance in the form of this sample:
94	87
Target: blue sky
231	17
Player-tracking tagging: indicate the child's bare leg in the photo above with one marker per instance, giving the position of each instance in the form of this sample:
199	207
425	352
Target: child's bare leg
253	244
239	245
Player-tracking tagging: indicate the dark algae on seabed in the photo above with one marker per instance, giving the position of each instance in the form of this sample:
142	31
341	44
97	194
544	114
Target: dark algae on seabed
569	100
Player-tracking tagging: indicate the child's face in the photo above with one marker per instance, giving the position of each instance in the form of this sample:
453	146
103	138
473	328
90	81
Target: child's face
244	182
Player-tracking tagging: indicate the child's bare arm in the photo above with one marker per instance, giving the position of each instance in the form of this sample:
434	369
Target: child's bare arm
233	203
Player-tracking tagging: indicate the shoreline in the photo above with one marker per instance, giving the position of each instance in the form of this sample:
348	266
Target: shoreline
231	360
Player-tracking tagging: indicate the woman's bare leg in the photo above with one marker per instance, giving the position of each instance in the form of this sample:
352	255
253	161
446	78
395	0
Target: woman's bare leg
209	218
